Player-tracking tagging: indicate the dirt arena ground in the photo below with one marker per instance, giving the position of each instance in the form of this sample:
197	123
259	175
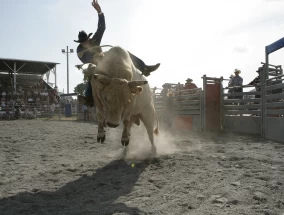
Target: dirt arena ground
57	167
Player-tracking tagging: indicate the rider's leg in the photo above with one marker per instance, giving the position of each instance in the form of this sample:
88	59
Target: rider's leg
139	64
88	90
88	95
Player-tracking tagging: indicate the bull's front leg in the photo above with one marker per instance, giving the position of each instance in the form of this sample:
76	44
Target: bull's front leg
101	118
125	132
101	124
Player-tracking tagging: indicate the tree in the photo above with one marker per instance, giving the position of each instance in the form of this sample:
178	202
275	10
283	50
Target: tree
80	88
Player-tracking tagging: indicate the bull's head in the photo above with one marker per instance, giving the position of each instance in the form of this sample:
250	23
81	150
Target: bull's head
118	95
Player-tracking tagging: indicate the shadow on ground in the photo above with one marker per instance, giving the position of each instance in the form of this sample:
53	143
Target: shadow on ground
96	194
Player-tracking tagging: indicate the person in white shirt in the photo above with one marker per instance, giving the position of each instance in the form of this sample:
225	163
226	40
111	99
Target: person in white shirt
237	81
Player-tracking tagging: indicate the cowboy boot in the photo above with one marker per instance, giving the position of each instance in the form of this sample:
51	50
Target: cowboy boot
148	69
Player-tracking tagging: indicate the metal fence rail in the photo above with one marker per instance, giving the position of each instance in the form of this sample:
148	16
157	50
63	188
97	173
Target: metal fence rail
185	103
274	99
241	103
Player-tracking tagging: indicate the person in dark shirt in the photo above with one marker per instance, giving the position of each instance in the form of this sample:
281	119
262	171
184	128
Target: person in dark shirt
256	83
169	111
89	51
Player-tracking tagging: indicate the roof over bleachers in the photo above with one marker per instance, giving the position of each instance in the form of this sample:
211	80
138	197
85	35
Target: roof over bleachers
26	66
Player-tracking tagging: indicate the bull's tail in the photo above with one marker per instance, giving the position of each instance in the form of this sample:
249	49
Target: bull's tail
156	130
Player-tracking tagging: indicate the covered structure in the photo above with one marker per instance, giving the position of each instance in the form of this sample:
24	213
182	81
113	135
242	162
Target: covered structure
20	71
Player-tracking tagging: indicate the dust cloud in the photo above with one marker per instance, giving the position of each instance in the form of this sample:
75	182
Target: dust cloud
139	147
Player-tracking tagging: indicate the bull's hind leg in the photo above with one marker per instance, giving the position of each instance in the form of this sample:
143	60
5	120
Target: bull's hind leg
148	119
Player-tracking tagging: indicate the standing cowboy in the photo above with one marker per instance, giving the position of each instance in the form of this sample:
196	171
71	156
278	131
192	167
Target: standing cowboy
231	90
168	111
189	85
237	83
88	50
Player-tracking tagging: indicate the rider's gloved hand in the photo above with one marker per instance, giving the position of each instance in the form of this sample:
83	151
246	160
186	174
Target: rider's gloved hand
96	6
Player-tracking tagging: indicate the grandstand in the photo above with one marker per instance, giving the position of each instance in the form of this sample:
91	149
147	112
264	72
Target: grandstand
25	87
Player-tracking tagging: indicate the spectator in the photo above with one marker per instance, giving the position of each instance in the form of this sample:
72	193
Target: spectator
165	89
237	83
179	87
85	111
231	90
189	85
154	91
35	113
169	112
8	112
256	83
52	108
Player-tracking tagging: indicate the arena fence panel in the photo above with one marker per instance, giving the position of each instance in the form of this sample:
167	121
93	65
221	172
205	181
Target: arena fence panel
186	108
274	108
86	113
211	105
241	112
67	108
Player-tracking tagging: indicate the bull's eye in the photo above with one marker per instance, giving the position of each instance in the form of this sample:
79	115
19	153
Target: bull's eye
105	98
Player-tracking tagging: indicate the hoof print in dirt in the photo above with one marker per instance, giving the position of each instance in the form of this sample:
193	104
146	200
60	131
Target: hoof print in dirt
261	197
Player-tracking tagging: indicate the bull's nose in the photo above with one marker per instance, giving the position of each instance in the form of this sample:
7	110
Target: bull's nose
112	125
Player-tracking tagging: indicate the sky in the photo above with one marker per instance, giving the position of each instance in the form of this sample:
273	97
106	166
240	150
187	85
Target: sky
189	38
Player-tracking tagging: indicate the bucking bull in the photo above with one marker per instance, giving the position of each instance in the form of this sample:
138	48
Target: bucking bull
121	94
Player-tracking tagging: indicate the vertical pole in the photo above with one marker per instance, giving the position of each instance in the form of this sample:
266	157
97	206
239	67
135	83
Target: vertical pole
49	116
15	89
60	104
200	107
221	102
78	108
67	71
264	76
15	72
55	75
204	102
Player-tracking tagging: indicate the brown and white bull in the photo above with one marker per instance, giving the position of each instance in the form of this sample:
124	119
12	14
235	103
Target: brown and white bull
121	94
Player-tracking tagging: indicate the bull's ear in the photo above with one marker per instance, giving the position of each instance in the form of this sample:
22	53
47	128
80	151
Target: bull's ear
135	88
103	79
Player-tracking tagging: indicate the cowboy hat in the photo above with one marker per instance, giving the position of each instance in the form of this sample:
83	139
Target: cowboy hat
189	79
82	37
237	71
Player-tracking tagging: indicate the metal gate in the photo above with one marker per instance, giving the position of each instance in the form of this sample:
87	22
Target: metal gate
186	108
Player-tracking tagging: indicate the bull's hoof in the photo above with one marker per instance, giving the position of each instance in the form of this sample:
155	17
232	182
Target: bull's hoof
125	142
101	139
154	152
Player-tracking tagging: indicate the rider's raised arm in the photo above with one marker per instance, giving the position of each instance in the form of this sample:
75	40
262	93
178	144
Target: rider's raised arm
101	23
101	29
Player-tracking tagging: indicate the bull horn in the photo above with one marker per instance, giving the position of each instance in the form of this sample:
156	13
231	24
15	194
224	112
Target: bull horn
136	83
91	65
